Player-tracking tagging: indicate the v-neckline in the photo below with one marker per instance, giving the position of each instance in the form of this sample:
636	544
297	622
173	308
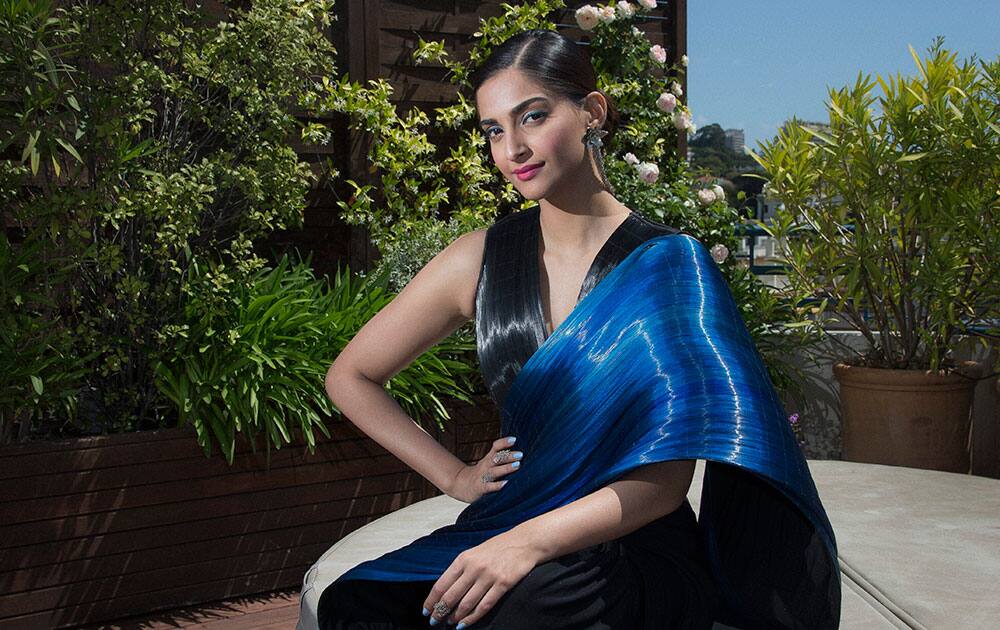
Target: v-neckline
537	257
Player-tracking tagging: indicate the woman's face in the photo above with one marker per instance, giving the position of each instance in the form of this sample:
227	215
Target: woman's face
525	126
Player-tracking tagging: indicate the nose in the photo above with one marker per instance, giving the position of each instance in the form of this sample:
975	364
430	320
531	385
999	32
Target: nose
515	147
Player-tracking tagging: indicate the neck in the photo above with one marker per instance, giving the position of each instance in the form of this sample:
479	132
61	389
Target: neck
582	226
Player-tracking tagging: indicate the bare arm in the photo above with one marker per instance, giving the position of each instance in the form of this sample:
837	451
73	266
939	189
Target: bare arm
635	499
433	305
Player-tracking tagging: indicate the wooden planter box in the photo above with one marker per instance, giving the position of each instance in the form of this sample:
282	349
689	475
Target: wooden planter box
95	529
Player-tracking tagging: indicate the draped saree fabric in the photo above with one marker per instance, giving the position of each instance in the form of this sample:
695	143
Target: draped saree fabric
654	364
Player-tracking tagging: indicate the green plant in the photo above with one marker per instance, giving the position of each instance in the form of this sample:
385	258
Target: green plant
254	363
891	216
150	136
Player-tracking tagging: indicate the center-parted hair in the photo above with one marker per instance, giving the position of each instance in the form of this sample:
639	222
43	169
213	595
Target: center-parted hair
560	66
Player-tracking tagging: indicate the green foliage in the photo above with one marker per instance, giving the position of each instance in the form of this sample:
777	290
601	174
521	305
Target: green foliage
180	130
892	215
255	363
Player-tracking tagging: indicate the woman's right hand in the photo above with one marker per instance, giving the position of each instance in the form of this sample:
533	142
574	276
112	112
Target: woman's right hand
469	485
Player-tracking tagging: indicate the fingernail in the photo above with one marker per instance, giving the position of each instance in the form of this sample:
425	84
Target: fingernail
460	626
515	464
434	621
504	482
518	455
425	612
511	440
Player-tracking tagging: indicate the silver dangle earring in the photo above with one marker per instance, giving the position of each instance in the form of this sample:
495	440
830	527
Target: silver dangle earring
594	141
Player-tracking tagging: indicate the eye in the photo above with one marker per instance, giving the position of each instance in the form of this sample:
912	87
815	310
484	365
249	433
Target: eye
490	135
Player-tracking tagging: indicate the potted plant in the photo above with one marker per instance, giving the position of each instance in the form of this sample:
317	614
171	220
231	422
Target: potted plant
892	217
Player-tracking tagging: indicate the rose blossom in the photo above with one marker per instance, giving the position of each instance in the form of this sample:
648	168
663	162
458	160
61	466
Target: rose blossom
648	4
606	14
587	17
648	172
667	102
682	120
657	53
684	60
625	9
706	197
719	252
631	159
675	87
720	194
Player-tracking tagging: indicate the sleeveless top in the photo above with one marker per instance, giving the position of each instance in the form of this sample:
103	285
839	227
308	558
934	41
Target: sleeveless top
510	322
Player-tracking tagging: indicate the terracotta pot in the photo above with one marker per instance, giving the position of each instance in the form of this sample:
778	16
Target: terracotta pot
912	418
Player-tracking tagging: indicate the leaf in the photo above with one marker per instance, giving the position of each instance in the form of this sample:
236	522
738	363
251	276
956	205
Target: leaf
37	384
69	148
911	157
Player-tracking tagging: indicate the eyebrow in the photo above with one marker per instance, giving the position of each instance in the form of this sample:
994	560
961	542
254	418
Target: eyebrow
517	109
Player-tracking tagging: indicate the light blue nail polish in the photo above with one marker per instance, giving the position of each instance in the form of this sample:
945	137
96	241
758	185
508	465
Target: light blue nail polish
518	455
460	626
425	612
511	440
515	465
434	621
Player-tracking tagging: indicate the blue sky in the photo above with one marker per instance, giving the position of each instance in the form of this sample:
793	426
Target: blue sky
755	64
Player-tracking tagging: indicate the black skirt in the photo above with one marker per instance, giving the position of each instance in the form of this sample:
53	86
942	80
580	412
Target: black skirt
655	578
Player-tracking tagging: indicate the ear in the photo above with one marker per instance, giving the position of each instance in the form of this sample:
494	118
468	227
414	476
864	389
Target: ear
597	105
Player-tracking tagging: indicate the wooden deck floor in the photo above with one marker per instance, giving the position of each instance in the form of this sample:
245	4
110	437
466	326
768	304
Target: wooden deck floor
270	611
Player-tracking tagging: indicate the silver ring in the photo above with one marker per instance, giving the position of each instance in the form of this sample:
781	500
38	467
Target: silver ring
441	608
487	477
500	455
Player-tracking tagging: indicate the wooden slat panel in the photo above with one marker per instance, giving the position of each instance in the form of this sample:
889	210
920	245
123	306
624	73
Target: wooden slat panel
218	529
223	496
114	587
149	559
157	600
100	489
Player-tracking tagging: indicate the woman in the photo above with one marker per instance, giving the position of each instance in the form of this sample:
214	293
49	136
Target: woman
604	538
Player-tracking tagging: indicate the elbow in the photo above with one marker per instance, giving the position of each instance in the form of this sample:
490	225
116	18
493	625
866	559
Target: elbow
336	376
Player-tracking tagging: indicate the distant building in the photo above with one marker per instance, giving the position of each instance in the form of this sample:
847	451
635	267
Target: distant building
810	124
735	140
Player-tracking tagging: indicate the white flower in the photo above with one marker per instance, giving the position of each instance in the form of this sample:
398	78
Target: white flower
648	172
606	14
631	159
675	87
625	9
688	203
682	120
657	53
719	193
684	60
636	31
719	252
587	17
667	102
648	4
706	197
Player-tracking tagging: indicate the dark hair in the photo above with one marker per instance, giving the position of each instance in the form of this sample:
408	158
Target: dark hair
561	66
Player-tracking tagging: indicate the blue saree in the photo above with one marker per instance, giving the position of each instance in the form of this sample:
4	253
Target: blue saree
654	364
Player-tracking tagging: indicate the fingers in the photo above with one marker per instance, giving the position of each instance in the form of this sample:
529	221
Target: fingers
447	594
503	442
484	605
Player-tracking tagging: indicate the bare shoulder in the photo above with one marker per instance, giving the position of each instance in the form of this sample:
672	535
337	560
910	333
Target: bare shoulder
432	305
465	257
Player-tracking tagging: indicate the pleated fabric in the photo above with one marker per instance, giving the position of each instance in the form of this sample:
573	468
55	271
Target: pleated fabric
653	364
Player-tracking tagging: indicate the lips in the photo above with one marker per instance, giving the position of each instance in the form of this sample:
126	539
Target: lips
528	172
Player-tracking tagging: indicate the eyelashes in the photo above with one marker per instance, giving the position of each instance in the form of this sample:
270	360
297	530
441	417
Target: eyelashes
540	114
